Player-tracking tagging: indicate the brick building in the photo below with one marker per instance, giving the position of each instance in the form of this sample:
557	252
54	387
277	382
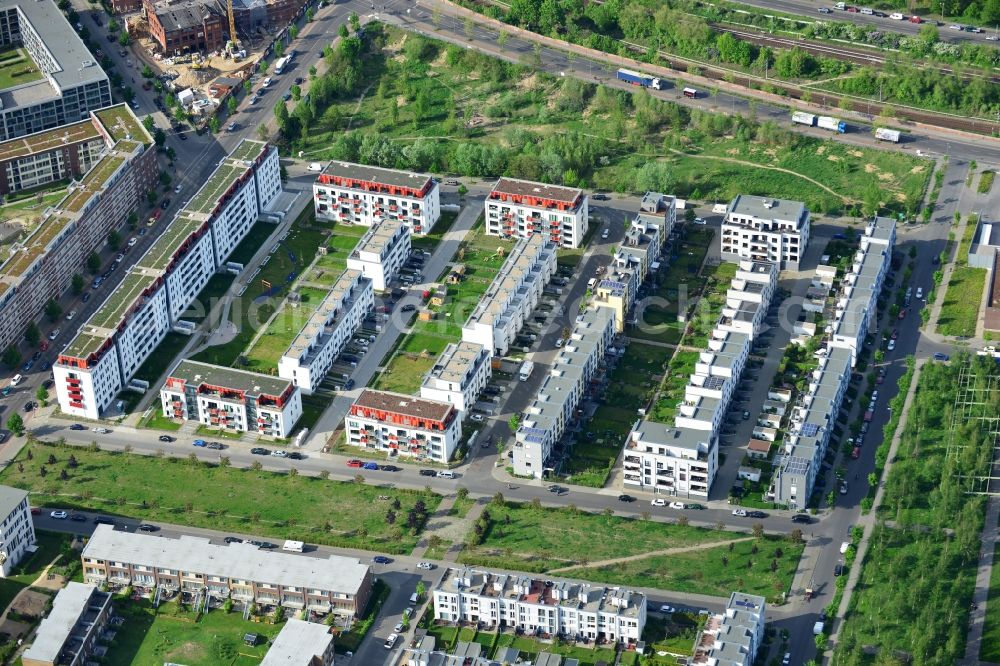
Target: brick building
185	26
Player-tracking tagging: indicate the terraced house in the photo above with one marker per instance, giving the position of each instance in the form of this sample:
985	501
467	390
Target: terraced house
521	208
121	334
381	252
41	267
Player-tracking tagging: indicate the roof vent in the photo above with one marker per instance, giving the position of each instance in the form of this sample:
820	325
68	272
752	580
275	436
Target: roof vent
87	63
768	203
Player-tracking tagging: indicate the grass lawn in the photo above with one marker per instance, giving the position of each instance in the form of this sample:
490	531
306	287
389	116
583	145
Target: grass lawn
313	407
538	539
404	373
672	391
709	306
439	552
960	309
990	646
255	238
267	350
461	507
17	68
50	545
162	358
304	508
986	182
31	208
431	240
158	421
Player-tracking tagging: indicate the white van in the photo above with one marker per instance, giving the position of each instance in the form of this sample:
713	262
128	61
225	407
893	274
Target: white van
293	546
15	380
446	474
315	166
591	282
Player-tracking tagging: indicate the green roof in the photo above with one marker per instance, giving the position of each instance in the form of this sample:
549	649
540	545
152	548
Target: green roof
162	250
121	123
219	182
49	140
111	312
83	345
34	246
248	150
92	182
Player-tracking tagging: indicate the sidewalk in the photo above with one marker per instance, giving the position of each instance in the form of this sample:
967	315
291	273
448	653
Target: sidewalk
980	596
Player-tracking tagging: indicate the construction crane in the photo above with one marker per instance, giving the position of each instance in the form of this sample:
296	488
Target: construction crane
232	28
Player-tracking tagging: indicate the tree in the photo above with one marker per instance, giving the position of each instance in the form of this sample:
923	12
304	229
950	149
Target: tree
52	310
124	39
231	105
312	72
148	123
421	590
758	531
355	21
296	92
213	124
32	335
310	15
114	240
462	493
514	422
15	424
159	137
293	31
76	284
11	356
43	395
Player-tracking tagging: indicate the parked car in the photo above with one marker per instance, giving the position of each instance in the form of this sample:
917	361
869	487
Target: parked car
756	514
78	518
938	356
740	513
677	505
478	418
659	501
428	472
626	498
215	446
232	539
390	642
354	462
665	608
166	438
102	431
260	451
278	453
146	527
426	565
388	468
59	515
370	465
409	307
78	426
200	443
381	559
801	518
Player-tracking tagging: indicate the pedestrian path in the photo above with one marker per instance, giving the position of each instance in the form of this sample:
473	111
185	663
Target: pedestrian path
653	553
980	597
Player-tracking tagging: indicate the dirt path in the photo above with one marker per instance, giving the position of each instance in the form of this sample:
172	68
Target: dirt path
652	553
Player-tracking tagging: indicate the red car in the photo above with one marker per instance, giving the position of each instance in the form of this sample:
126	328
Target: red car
35	511
895	333
354	462
856	452
902	314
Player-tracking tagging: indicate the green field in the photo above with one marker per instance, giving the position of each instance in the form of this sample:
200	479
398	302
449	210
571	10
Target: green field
50	544
960	310
709	306
304	508
672	391
17	68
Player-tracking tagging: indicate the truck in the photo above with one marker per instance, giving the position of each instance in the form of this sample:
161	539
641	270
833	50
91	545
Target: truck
834	124
637	79
803	118
885	134
281	63
525	371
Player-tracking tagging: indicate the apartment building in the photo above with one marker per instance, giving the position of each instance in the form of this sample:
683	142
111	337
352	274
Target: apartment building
673	461
748	298
48	156
764	229
238	571
512	296
121	334
16	531
556	404
186	26
328	331
733	637
231	399
381	252
301	643
359	194
520	208
565	609
856	308
460	373
69	634
41	267
425	652
404	426
63	82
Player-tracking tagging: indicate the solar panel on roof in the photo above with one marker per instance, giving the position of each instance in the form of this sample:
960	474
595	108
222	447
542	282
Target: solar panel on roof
810	429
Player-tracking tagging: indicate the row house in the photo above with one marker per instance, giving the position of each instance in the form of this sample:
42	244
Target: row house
557	402
748	297
512	296
381	252
764	229
405	426
70	632
733	637
674	461
121	334
359	194
327	332
521	208
231	399
193	566
459	375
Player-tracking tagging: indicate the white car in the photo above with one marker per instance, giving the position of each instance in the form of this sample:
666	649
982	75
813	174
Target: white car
844	546
54	334
391	641
659	501
920	293
700	221
677	505
560	342
15	380
740	512
787	659
954	26
665	608
895	16
426	565
59	515
398	627
177	190
279	454
891	345
478	418
604	234
69	317
101	431
132	241
266	82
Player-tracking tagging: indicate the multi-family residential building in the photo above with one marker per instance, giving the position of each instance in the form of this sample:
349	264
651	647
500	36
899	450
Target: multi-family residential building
104	355
70	632
425	652
48	156
459	374
556	404
301	643
856	309
748	297
765	229
41	267
381	252
520	208
16	530
512	296
733	637
717	372
238	571
674	461
360	194
328	331
400	424
237	400
61	83
182	26
570	610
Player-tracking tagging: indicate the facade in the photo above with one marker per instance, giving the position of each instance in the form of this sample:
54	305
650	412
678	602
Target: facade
673	461
358	194
426	653
403	425
460	373
65	82
748	298
42	266
556	404
68	636
510	601
762	229
521	208
327	332
512	296
381	252
301	643
238	571
107	350
258	16
186	26
733	637
17	530
231	399
61	153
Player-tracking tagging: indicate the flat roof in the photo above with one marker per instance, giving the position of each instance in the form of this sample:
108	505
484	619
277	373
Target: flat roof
160	253
378	175
230	169
47	140
650	432
242	561
34	246
122	124
767	208
196	373
70	606
10	498
407	405
527	188
105	321
92	182
298	644
455	361
182	15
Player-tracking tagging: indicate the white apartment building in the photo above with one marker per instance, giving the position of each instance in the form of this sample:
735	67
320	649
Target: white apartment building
733	637
520	208
571	610
16	530
403	425
460	373
672	461
236	400
764	229
748	298
555	405
856	303
381	252
301	643
327	332
366	195
121	334
512	296
70	633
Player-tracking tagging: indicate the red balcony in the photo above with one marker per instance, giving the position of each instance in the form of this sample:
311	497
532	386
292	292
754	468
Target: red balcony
76	403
